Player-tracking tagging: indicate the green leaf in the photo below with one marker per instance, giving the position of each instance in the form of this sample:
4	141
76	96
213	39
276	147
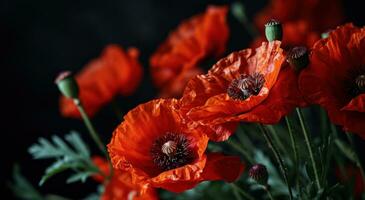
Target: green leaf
74	139
79	176
44	150
69	154
58	167
21	187
346	150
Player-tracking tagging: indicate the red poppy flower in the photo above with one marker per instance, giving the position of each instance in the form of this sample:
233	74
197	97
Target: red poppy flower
156	146
114	72
244	86
321	15
120	186
296	33
194	40
335	78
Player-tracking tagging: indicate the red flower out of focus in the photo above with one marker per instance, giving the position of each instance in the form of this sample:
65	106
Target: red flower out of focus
120	186
320	15
114	72
244	86
303	21
177	85
335	78
194	40
352	174
296	33
160	150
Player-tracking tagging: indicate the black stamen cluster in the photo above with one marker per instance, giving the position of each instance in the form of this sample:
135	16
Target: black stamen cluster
245	85
183	154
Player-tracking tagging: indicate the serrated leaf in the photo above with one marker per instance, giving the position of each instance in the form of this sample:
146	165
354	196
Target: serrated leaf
44	150
74	139
79	176
73	155
57	168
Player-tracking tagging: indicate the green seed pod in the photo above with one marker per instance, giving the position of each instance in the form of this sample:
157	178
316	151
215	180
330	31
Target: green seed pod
273	30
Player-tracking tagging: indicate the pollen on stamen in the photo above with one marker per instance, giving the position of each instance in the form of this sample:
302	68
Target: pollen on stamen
171	151
355	81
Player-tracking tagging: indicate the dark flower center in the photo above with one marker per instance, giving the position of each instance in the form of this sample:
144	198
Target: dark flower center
171	151
360	83
298	58
245	85
355	82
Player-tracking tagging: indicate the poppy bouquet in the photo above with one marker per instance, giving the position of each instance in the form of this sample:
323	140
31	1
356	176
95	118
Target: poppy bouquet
277	120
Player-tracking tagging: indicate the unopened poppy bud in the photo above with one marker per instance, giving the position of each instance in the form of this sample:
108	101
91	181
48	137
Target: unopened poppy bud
67	84
298	58
259	173
273	30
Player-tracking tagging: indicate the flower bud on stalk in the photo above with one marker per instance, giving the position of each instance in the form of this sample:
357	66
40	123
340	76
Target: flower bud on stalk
67	84
69	88
273	30
298	58
259	173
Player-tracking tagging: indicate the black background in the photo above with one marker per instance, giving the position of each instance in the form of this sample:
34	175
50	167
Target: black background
40	38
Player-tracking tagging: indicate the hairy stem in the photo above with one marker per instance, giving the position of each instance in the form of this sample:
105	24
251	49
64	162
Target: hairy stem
267	189
93	133
278	158
295	150
309	147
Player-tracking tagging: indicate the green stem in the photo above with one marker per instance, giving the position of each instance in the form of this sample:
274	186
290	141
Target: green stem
277	140
338	159
266	188
295	150
237	194
293	141
309	146
245	194
358	162
243	151
278	158
93	133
